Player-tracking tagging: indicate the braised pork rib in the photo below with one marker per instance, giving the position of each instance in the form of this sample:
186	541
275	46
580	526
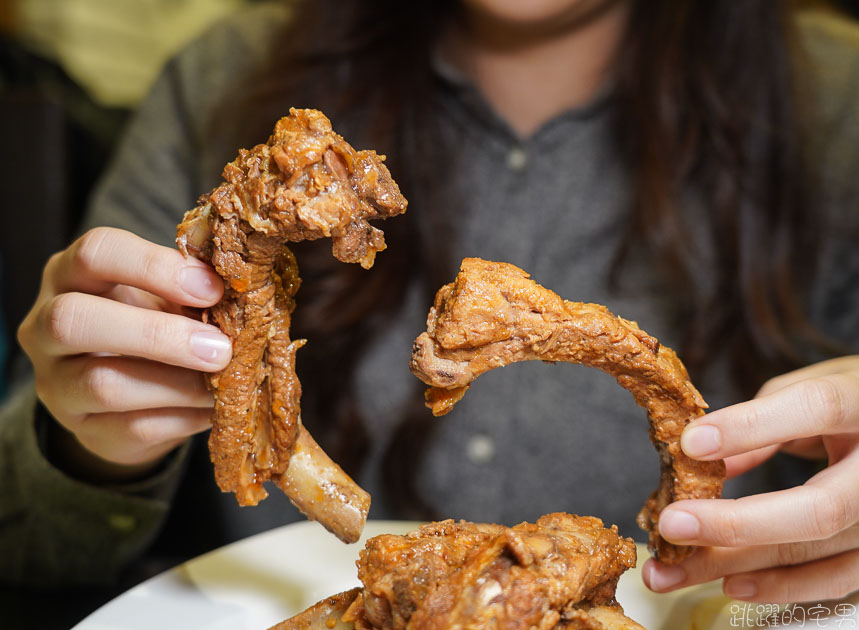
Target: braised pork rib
305	183
493	315
560	572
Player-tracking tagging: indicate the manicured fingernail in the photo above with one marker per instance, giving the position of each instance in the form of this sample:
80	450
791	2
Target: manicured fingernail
741	588
661	577
211	347
701	441
199	283
679	526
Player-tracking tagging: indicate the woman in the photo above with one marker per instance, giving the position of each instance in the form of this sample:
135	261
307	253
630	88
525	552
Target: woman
687	164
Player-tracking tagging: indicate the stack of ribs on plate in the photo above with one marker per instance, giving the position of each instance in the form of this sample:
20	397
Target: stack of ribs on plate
558	573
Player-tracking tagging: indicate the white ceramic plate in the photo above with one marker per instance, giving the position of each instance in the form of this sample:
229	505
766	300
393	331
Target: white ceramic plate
259	581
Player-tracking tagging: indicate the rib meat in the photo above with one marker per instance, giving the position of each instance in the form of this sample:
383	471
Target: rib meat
560	572
305	183
494	315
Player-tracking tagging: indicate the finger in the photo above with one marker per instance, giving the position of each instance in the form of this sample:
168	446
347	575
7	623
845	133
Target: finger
820	508
133	437
738	464
100	384
834	577
824	405
139	298
76	323
832	366
710	563
104	257
807	448
144	299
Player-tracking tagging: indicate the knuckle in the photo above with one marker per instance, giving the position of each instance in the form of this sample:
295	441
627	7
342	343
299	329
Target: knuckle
730	529
144	431
750	424
50	268
152	267
750	420
62	313
788	554
87	249
825	400
102	386
156	336
831	513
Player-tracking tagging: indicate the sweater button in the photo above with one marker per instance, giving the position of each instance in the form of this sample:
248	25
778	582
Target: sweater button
122	522
517	159
480	449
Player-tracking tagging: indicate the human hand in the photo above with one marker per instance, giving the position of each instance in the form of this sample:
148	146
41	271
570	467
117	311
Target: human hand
117	363
799	544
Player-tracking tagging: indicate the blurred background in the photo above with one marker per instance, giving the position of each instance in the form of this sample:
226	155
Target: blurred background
71	72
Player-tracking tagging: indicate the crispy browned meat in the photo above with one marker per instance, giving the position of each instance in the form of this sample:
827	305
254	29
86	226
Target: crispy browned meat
494	315
305	183
560	572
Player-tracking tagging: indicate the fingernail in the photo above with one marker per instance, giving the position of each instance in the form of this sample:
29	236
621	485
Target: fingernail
661	577
700	441
679	526
741	588
211	347
199	283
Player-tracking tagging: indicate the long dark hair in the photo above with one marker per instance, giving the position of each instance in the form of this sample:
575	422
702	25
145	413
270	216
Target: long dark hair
711	95
708	96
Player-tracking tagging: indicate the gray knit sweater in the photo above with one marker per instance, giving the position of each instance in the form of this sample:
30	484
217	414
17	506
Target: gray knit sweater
526	440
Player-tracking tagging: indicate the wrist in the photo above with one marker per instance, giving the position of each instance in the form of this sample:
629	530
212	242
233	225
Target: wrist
65	452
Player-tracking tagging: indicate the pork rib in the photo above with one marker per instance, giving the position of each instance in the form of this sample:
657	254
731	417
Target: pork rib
305	183
558	573
494	315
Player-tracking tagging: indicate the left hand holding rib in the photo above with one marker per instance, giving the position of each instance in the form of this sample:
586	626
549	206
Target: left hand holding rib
794	545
